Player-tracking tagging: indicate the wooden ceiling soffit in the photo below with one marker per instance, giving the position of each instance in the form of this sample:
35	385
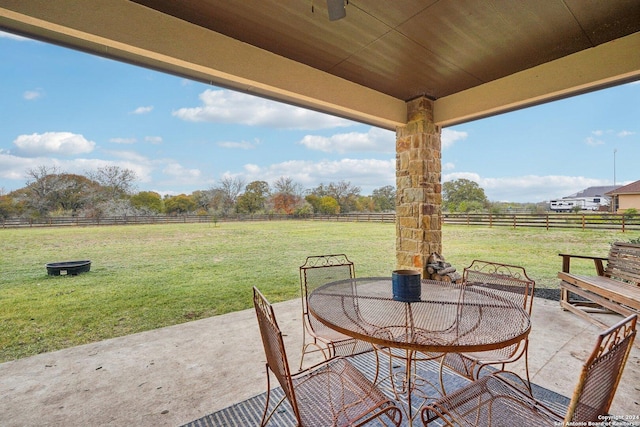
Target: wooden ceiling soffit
603	66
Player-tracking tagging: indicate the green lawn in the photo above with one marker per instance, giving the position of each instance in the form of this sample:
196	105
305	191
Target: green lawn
150	276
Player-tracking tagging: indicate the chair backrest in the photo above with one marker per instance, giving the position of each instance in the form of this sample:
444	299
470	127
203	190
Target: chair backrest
509	281
274	347
320	269
601	373
624	262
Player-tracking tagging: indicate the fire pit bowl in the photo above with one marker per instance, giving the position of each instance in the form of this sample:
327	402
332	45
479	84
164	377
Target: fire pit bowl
70	268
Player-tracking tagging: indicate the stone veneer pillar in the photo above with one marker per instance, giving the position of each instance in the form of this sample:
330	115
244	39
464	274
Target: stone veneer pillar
418	187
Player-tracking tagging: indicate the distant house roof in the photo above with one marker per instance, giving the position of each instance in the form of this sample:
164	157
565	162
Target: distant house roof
633	188
595	191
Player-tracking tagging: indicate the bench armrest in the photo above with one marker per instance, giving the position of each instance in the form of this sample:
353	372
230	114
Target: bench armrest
597	261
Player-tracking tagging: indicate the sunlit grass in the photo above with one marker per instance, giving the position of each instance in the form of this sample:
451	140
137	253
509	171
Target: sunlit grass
150	276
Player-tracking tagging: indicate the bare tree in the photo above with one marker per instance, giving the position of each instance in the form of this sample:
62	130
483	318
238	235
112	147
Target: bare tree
40	178
42	182
230	189
286	185
115	181
286	196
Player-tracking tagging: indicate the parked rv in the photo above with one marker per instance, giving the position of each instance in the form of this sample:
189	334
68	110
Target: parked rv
581	203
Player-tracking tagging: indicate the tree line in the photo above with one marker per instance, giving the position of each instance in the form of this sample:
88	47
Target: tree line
110	191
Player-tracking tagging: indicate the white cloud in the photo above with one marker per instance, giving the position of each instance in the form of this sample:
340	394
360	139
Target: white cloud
14	168
224	106
376	139
597	135
450	137
31	95
252	169
142	110
593	141
159	171
625	133
179	171
153	139
58	143
175	175
123	140
162	172
448	166
243	145
142	167
131	156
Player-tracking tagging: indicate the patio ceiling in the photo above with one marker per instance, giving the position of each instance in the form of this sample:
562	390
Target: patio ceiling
472	58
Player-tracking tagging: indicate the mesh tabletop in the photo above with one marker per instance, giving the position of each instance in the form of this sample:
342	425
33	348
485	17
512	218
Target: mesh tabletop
449	317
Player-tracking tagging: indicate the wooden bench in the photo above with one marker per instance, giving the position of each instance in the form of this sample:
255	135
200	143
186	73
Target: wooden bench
615	288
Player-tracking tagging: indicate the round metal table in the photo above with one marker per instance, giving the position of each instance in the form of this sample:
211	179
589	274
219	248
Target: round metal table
448	317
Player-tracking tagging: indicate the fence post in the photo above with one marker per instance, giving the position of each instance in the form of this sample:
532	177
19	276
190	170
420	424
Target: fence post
623	223
547	222
583	221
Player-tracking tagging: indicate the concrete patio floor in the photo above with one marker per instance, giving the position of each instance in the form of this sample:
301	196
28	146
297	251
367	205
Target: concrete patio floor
174	375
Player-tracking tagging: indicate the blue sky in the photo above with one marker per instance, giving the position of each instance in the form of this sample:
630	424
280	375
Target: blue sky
79	112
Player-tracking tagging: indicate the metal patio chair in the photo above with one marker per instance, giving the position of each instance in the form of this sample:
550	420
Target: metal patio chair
316	337
492	400
511	283
332	393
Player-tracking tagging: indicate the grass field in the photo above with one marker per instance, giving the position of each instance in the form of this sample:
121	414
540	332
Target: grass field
150	276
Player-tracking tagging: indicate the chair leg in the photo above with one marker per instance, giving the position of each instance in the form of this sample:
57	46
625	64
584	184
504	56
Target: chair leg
302	358
526	367
441	375
375	378
304	345
265	417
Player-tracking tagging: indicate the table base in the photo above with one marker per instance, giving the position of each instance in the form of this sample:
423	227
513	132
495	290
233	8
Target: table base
398	374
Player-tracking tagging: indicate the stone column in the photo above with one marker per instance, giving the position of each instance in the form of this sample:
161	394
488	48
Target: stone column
418	187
